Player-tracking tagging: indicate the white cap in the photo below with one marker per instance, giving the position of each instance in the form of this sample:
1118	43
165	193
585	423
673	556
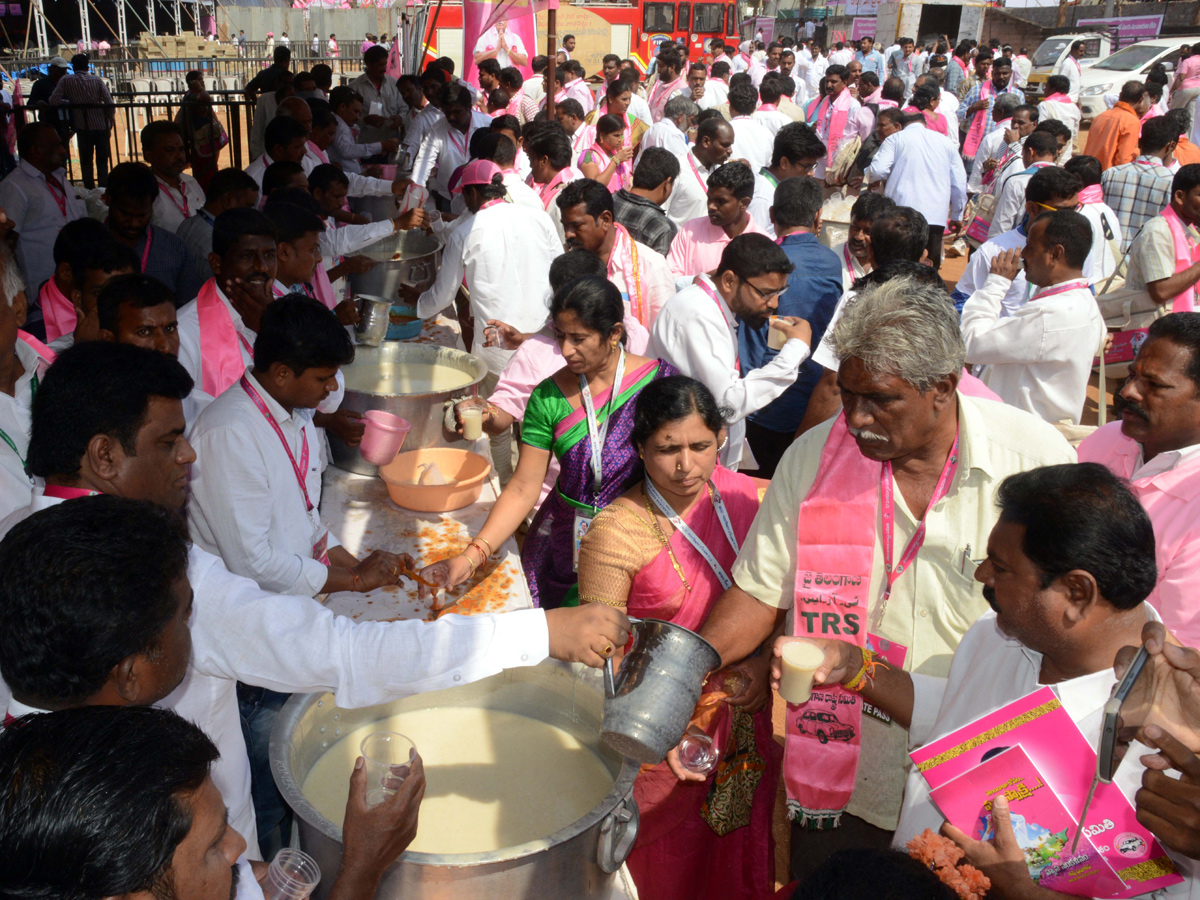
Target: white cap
59	63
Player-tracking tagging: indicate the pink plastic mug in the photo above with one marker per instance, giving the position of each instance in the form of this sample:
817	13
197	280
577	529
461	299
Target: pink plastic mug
383	436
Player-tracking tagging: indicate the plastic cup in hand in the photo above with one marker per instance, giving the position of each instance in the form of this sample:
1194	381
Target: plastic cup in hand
383	436
387	756
697	753
800	661
775	338
292	875
472	422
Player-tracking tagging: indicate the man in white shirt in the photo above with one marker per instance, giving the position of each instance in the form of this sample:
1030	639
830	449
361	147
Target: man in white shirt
446	143
796	151
1039	358
239	631
1059	105
179	195
23	362
841	55
704	96
1039	151
1106	227
679	115
815	69
381	99
1071	69
697	332
923	170
347	150
432	81
768	114
752	141
38	200
1068	567
714	143
640	273
994	146
1050	188
286	141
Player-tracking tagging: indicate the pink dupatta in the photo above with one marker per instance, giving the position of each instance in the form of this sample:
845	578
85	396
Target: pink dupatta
659	95
1185	256
221	361
57	310
979	124
837	122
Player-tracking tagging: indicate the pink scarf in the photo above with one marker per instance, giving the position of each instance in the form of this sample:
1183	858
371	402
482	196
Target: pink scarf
1091	194
622	175
1059	98
554	186
57	310
220	356
323	287
1185	256
659	95
514	103
319	153
979	123
932	119
837	123
45	354
624	259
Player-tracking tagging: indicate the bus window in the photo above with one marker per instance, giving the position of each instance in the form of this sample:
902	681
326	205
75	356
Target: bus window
731	22
658	17
709	18
685	17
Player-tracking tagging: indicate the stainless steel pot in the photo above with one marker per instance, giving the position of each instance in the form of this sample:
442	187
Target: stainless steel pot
576	862
409	258
374	367
377	209
374	317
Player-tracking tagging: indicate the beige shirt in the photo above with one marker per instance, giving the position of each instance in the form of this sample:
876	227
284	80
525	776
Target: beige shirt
934	603
1152	255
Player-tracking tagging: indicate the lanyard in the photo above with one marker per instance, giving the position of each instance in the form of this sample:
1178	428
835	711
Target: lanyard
458	140
889	520
59	492
207	216
737	363
598	432
185	208
696	172
4	436
766	173
849	260
1059	289
58	192
300	469
146	252
694	539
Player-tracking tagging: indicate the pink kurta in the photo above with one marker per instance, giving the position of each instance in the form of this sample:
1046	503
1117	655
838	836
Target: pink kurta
698	246
678	856
1172	500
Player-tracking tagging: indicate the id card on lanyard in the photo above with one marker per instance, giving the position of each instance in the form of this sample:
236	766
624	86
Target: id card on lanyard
597	432
320	542
694	539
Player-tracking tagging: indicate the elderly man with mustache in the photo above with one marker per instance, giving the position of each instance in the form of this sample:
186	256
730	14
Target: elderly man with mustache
870	533
1156	445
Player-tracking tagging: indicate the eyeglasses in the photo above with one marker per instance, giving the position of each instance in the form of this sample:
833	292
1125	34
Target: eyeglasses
766	296
1049	208
806	168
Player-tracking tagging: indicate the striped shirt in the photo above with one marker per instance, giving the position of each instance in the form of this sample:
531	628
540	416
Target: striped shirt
1136	192
85	88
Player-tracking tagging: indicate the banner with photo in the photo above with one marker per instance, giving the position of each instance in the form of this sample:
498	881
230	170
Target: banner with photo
504	31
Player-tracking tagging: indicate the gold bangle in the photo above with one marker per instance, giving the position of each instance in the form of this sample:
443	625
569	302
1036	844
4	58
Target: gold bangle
491	550
474	565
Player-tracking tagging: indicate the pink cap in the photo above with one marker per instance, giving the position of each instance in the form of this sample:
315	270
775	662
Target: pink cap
477	171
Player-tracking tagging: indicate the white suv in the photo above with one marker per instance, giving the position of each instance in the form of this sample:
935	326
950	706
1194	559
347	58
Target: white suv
1132	63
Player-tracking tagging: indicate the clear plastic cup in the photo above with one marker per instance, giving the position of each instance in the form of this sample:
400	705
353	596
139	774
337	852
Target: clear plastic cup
775	338
697	753
292	875
472	422
800	661
388	757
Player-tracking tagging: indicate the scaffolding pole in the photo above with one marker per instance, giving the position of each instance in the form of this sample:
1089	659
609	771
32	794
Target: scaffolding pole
122	27
85	27
39	24
178	10
151	25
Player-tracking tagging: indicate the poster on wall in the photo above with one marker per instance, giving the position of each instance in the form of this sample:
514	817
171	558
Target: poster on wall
864	26
1129	30
511	39
862	7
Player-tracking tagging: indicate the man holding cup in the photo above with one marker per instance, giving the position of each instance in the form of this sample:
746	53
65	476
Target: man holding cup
869	532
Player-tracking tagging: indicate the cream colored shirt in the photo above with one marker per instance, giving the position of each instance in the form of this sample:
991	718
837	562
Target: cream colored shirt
934	603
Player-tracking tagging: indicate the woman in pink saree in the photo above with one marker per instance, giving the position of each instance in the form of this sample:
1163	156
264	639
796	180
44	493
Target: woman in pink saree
706	839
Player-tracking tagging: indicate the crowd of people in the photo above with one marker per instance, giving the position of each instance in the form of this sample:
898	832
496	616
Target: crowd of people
698	411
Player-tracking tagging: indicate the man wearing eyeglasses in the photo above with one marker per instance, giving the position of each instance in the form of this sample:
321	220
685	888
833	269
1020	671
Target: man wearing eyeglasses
697	332
796	151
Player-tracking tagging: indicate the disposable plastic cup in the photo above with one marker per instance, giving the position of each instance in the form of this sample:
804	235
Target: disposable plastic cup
388	757
472	422
292	875
383	436
775	338
801	659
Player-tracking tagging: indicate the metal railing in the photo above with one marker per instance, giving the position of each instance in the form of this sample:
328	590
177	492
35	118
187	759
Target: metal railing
121	70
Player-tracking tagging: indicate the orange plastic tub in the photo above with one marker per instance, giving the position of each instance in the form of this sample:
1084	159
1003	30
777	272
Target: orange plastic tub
464	471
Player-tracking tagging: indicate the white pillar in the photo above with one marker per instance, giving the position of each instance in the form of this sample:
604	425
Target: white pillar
85	27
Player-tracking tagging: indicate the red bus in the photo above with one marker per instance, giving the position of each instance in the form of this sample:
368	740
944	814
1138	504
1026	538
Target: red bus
632	29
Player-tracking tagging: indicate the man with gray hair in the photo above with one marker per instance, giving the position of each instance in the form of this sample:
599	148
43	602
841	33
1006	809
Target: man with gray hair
870	532
994	145
23	361
679	115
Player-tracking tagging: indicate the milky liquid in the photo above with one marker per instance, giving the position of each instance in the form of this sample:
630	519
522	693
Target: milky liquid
800	662
406	378
493	779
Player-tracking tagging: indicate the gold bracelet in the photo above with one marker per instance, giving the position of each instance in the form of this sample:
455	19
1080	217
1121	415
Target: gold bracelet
491	550
474	565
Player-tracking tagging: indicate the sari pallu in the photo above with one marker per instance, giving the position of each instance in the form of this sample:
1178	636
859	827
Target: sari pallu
548	553
707	840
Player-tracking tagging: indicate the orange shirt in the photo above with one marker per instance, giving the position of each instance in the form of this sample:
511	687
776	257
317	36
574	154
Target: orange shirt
1113	137
1186	152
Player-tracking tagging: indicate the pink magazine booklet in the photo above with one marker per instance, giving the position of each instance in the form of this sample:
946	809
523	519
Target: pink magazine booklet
1043	827
1057	748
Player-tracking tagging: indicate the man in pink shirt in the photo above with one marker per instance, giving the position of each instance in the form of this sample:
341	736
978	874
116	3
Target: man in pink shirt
698	246
576	88
1156	445
1186	85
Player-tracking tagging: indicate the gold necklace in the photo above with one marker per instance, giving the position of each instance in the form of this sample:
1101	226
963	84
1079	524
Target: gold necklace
663	538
